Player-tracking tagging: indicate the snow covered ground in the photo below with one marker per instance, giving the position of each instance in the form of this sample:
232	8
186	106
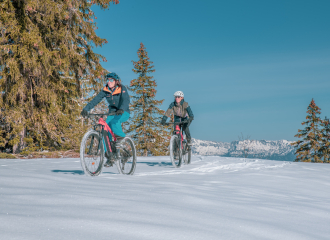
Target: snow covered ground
213	198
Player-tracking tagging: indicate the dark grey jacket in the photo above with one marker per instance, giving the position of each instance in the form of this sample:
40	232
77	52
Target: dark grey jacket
118	99
181	110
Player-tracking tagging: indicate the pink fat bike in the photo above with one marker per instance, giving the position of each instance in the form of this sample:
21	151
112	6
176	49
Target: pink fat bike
96	141
180	151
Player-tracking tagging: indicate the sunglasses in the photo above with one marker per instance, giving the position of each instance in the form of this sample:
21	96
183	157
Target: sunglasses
177	97
111	80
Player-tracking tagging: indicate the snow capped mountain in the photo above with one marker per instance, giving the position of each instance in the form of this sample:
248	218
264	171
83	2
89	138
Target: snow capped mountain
264	149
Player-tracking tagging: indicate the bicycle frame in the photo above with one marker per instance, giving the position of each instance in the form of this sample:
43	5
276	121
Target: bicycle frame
103	127
178	130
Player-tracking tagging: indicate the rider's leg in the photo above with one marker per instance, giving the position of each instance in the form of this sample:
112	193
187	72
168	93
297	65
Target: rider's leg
115	124
185	128
106	136
108	148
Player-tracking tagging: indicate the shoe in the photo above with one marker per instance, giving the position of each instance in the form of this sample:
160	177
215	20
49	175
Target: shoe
109	162
119	138
118	142
189	142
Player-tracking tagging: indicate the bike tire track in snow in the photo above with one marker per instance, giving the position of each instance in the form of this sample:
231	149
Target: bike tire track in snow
217	165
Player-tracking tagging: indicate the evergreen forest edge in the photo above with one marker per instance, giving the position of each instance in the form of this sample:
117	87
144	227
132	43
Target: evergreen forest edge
49	72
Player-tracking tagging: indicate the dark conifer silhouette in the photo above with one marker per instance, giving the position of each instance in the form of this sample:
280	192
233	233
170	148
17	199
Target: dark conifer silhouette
150	137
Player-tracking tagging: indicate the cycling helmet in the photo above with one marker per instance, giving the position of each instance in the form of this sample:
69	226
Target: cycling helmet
178	94
112	75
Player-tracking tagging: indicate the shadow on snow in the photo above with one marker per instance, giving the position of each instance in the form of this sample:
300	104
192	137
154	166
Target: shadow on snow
157	163
79	172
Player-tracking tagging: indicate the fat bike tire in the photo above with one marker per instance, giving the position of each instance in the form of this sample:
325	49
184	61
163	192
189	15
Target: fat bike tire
126	162
92	153
188	155
175	151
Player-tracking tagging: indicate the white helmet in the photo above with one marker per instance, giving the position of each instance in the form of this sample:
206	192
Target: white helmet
178	94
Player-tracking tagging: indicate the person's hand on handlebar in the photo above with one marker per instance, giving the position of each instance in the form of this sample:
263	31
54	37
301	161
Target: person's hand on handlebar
119	112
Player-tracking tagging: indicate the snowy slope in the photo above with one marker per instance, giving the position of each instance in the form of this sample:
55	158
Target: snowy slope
213	198
274	150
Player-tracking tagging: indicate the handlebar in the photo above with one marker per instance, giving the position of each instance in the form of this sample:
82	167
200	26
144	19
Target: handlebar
101	114
178	123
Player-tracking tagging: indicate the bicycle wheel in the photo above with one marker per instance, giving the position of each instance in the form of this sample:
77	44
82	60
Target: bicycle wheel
92	153
127	157
175	151
188	154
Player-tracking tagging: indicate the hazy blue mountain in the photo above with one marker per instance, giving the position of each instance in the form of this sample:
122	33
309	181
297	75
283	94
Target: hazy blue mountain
264	149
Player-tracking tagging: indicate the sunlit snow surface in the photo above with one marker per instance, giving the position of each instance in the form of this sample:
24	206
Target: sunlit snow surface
213	198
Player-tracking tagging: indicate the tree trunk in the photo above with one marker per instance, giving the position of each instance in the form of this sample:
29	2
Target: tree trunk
17	148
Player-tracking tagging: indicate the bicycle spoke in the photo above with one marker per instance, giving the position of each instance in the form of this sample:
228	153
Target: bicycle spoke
91	153
127	157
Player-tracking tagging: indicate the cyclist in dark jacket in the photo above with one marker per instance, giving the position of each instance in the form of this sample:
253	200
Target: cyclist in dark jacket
118	99
181	111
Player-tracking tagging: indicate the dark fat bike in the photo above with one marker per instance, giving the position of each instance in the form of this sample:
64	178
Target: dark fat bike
180	151
94	144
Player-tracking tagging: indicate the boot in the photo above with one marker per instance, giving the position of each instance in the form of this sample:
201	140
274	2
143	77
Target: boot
109	162
119	140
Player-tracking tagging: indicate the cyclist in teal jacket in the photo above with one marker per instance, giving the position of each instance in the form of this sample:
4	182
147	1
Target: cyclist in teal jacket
118	99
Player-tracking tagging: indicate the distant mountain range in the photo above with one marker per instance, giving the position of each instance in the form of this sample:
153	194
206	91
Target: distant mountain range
263	149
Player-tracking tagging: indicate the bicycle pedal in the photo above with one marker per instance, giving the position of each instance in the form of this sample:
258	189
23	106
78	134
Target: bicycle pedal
108	165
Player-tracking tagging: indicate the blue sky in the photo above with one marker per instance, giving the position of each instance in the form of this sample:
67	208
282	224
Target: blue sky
248	67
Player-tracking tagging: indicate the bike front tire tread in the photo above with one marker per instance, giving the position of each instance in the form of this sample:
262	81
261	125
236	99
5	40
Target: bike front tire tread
175	141
82	154
119	164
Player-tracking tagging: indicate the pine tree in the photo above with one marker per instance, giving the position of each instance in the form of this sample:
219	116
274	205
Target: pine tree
325	141
149	135
46	58
307	149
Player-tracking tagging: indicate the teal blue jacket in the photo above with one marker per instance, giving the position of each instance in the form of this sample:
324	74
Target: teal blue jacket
117	99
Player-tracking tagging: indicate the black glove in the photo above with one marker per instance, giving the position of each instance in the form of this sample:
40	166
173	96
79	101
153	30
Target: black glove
84	113
119	112
163	122
190	119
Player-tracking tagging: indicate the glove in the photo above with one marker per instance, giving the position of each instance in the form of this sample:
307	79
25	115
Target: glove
163	122
84	113
119	112
190	119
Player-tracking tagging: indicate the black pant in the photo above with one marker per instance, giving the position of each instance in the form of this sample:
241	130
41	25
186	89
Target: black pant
185	127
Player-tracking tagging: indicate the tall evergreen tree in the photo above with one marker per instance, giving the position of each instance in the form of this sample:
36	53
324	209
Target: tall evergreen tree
145	126
46	58
325	141
307	149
